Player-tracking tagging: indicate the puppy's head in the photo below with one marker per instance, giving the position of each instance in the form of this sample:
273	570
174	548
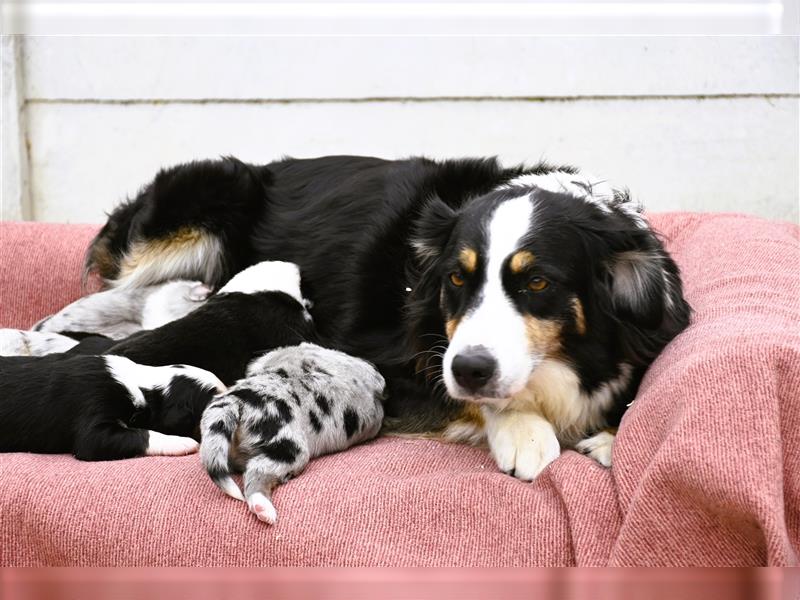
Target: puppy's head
522	275
175	406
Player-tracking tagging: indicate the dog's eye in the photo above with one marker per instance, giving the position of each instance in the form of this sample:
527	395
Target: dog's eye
537	284
456	279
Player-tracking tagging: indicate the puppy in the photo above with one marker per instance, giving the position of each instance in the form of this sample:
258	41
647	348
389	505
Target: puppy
100	407
119	312
17	342
91	324
259	309
295	404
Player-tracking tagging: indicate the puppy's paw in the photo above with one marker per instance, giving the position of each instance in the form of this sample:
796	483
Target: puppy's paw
598	447
199	292
262	508
159	444
522	444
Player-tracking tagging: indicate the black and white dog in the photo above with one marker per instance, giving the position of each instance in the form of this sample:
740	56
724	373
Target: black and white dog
524	303
101	407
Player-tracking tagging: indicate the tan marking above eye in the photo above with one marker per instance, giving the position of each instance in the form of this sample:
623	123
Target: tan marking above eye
468	259
521	261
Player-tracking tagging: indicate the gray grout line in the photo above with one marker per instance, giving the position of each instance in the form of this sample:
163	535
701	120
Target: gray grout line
391	99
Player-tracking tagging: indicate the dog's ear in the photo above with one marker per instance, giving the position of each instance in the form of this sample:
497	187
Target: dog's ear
644	286
432	231
638	286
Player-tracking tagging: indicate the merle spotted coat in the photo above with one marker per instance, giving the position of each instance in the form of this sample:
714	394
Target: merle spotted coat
296	403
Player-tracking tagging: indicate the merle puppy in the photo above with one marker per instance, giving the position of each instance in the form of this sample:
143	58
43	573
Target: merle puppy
91	324
119	312
259	309
100	407
296	403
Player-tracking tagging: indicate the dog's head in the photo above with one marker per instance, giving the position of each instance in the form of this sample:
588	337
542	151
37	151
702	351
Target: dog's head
524	274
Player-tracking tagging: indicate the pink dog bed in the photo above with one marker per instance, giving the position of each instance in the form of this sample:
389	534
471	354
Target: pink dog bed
706	465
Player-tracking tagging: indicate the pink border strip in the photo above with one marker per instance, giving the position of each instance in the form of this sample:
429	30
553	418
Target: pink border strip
423	584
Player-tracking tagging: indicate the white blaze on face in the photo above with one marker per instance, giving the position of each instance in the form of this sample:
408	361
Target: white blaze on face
494	322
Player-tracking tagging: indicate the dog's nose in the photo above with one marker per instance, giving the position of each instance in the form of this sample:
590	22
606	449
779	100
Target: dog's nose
473	368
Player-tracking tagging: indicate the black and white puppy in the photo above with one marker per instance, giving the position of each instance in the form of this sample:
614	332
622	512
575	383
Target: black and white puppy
295	404
100	407
259	309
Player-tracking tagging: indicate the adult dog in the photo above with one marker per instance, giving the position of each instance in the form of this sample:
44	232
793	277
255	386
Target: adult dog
519	303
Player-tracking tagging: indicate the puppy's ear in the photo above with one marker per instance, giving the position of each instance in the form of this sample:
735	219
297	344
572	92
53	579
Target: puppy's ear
433	229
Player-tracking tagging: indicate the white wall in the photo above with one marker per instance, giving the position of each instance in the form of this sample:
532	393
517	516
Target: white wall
688	123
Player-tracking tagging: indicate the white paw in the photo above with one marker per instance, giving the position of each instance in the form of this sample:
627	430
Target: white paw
159	444
598	447
522	444
199	292
262	508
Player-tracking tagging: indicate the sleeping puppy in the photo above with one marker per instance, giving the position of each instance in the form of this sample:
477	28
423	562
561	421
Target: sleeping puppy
18	342
295	404
119	312
91	324
100	407
259	309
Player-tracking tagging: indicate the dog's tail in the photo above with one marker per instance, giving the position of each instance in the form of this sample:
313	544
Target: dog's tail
191	222
217	427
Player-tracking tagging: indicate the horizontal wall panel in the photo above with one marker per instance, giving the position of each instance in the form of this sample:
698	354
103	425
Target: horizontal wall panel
198	68
707	155
652	17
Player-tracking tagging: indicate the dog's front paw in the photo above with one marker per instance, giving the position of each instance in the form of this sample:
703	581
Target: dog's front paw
598	447
522	444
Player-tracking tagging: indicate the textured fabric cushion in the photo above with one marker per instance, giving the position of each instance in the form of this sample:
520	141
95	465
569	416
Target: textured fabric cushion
706	466
40	269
